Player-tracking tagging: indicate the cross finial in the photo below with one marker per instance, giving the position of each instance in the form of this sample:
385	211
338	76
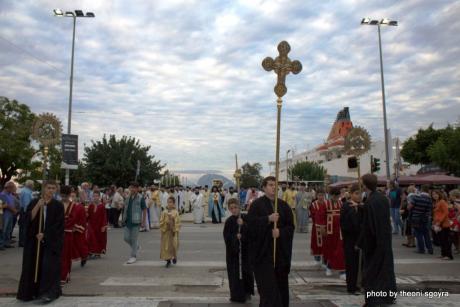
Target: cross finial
282	66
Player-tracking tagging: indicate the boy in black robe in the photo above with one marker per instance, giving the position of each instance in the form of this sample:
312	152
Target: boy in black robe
375	242
240	278
272	281
350	224
51	238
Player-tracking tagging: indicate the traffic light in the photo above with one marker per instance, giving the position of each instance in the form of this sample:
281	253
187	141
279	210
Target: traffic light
375	164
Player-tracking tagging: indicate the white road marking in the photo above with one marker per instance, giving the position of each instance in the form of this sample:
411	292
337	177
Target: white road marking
295	264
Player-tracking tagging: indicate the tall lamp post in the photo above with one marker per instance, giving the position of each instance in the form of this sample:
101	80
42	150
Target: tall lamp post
74	15
378	23
287	165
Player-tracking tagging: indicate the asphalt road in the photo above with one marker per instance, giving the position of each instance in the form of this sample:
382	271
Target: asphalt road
200	275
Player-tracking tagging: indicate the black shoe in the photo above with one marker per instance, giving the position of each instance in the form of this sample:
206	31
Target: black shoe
430	252
168	263
419	252
9	246
174	261
83	262
2	248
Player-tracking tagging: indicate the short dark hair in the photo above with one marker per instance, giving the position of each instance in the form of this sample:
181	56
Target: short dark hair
303	184
425	188
66	190
172	198
335	191
267	179
233	201
134	184
354	187
51	182
370	181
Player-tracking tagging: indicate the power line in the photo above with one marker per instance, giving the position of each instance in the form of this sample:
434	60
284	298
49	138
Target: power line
33	56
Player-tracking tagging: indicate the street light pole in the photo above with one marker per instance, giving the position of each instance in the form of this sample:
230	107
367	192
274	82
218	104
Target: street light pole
385	126
69	116
74	15
287	165
378	23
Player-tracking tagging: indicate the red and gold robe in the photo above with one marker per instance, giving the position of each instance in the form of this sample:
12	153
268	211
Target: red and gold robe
66	256
318	216
80	247
97	229
333	244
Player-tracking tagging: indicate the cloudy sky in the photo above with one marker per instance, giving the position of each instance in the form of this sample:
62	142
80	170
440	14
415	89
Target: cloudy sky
185	76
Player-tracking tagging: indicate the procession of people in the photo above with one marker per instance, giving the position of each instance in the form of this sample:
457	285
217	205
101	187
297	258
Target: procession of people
350	231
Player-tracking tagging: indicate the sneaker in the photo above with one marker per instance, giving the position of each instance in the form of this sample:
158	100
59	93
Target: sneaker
174	261
131	260
343	276
317	263
323	266
328	272
168	263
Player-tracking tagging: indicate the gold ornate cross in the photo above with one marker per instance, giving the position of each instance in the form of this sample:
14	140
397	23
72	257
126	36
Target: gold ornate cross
282	66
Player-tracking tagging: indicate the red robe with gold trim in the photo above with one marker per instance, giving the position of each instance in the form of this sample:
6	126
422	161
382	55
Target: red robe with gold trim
66	255
318	216
97	229
333	245
80	246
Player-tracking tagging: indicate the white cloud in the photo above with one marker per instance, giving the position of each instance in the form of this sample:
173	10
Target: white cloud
186	78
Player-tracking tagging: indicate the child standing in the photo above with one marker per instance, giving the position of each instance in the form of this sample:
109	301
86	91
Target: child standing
240	277
170	226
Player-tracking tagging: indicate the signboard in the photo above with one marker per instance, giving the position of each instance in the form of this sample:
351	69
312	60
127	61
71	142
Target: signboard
69	151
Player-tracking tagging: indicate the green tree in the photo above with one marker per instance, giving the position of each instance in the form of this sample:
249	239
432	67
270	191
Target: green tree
250	175
445	152
16	150
114	161
307	171
415	149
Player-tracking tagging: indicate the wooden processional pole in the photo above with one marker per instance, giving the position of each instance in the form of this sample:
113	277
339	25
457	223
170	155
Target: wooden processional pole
282	66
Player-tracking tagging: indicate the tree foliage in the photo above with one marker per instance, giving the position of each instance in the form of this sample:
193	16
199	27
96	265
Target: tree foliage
16	150
250	175
415	149
114	161
307	171
445	152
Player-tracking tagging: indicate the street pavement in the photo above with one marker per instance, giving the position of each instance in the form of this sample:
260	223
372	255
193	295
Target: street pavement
199	278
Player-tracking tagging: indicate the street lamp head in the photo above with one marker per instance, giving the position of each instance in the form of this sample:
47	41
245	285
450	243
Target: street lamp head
90	14
79	13
69	14
58	12
374	22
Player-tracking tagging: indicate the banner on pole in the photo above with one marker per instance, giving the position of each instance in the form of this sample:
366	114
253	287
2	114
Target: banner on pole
69	151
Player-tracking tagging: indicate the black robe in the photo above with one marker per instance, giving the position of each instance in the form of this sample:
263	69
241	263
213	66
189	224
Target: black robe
272	283
239	288
350	225
375	241
48	283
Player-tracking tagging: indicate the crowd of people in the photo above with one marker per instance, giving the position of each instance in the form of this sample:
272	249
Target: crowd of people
351	229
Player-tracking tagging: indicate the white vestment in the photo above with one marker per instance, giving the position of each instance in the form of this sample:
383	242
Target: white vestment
197	202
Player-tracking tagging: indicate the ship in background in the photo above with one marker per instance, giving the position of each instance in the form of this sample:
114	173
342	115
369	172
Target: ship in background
332	157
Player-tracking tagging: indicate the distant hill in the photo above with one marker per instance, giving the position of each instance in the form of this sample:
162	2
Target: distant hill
208	178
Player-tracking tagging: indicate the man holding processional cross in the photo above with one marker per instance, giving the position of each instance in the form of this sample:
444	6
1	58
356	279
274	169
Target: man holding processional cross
270	219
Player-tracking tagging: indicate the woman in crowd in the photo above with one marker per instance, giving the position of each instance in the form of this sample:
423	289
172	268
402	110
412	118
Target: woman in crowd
441	223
